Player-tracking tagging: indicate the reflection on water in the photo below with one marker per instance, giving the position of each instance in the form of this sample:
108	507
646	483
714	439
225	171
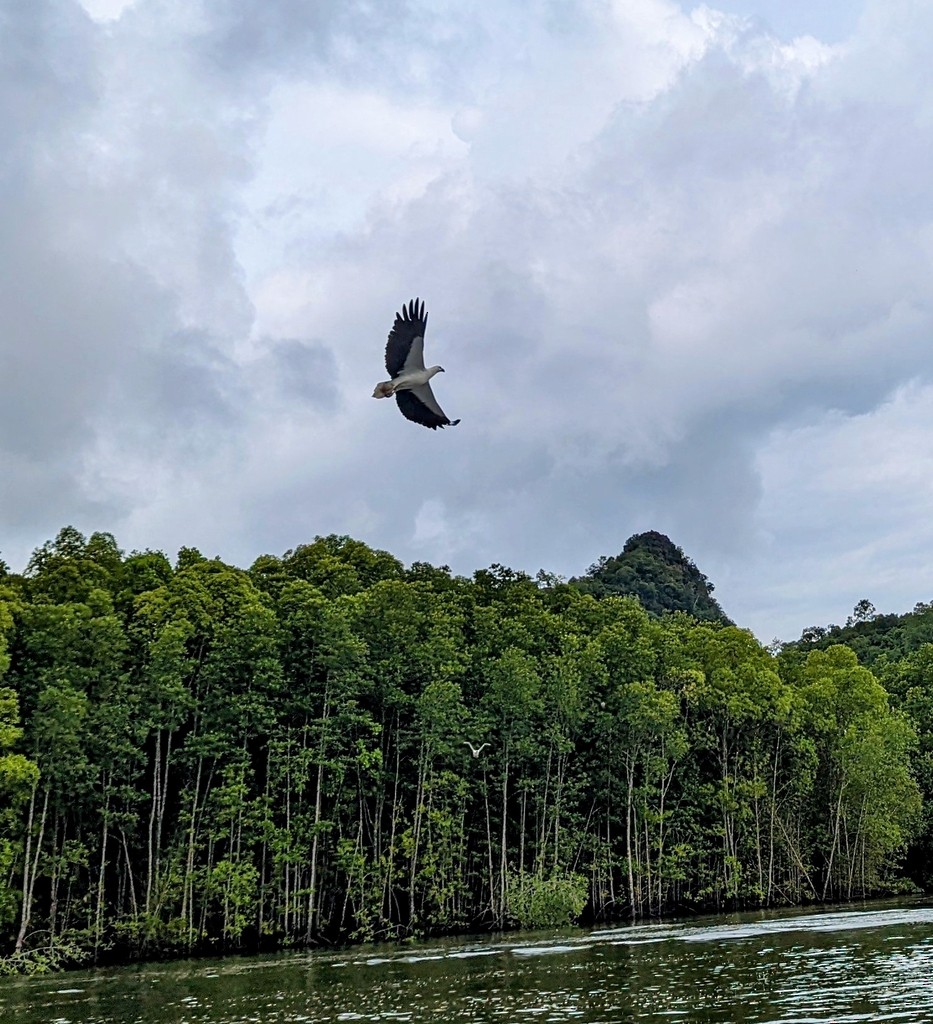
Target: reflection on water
853	965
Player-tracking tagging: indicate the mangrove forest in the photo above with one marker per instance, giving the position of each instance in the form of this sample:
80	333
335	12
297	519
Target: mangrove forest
333	747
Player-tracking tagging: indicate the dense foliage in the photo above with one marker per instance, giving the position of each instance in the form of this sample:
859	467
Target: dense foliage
653	569
194	756
874	636
899	651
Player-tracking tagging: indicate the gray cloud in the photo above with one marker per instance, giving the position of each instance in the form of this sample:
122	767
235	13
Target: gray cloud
240	35
113	249
304	371
665	254
250	44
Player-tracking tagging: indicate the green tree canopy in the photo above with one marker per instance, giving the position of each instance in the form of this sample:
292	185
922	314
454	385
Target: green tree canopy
653	569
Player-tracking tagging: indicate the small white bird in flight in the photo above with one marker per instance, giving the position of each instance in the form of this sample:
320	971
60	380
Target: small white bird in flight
405	363
476	750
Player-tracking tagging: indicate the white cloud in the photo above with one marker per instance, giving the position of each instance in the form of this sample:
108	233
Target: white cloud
659	246
106	10
847	507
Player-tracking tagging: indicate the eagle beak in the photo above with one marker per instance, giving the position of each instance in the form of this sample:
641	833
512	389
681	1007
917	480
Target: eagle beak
443	370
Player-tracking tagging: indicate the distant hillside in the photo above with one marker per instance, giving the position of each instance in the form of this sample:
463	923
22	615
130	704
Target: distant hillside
872	635
656	571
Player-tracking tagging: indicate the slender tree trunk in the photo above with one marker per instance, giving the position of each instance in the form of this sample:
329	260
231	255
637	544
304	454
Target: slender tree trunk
728	821
542	838
187	899
771	822
389	902
287	856
54	879
759	857
416	832
610	866
666	779
29	870
131	885
99	914
318	789
629	828
793	848
558	793
521	834
859	843
835	840
503	850
25	908
163	797
491	882
152	859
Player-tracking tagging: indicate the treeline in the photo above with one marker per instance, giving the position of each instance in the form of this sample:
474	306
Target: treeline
194	756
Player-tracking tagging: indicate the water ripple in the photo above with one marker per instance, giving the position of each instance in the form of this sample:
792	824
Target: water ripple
791	968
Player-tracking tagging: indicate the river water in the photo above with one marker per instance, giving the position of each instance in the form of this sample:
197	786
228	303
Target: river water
874	963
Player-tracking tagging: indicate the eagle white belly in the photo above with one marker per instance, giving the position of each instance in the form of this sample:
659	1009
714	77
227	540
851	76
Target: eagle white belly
404	382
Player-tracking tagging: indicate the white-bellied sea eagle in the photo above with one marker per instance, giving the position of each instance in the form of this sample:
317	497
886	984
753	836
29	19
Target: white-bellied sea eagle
405	363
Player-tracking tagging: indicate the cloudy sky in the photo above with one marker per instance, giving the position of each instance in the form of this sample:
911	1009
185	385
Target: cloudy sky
678	261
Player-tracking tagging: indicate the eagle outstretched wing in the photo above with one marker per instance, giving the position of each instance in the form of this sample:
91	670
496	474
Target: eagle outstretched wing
405	347
420	405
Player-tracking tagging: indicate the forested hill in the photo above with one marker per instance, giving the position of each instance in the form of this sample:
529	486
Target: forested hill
872	635
197	757
653	569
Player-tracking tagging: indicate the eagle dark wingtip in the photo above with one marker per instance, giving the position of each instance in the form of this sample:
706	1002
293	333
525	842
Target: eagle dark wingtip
412	311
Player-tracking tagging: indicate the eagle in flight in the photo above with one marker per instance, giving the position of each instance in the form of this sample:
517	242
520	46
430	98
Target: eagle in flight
405	363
